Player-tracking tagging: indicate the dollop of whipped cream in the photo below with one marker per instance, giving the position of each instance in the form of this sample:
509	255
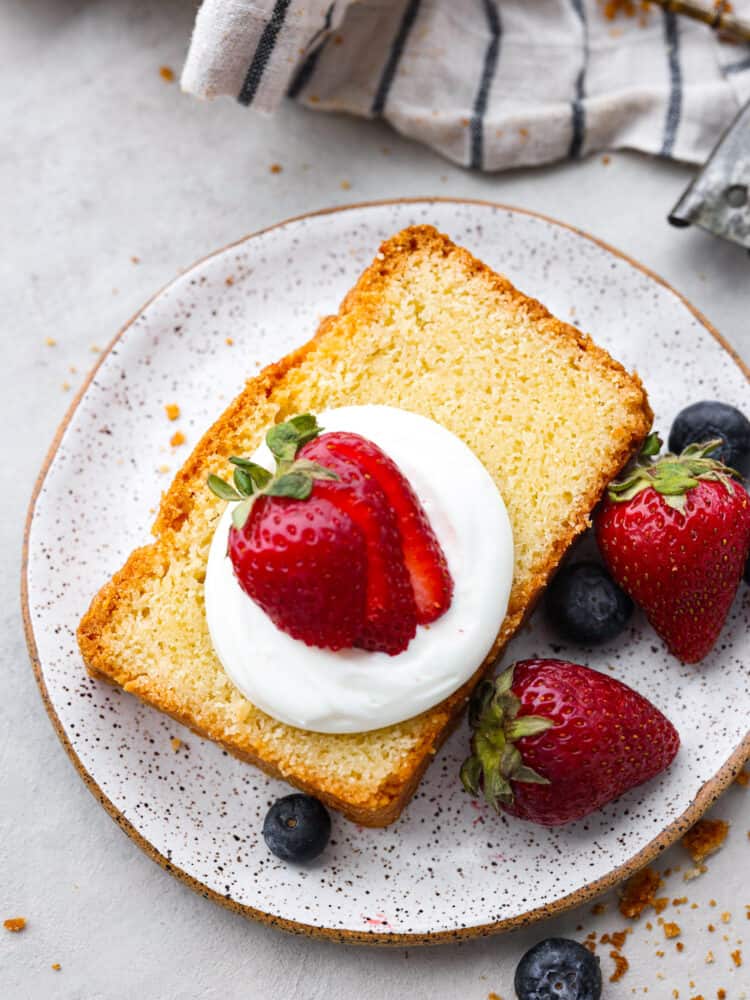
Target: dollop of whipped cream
353	690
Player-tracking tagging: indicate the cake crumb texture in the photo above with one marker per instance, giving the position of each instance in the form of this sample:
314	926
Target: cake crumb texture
430	329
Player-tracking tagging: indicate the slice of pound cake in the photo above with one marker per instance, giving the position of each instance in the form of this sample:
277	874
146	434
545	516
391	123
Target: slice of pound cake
428	329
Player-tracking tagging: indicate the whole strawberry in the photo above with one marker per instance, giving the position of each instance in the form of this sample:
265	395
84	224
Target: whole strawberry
553	741
674	531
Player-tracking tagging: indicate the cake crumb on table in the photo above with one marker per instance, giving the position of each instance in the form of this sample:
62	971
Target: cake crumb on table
621	966
638	892
50	342
15	924
705	838
275	168
172	410
176	743
493	996
671	930
721	994
177	439
56	966
229	280
166	73
692	873
736	957
617	938
709	958
679	946
229	341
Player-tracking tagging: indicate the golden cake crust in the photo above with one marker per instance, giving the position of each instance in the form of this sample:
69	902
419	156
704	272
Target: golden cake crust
368	777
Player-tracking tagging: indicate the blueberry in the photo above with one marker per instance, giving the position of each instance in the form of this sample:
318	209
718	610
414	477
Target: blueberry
711	419
297	828
585	605
558	969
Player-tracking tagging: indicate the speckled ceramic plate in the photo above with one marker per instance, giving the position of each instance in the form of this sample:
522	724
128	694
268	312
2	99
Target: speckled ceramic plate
448	868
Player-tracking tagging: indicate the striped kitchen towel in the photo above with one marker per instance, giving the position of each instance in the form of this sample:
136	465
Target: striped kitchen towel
489	83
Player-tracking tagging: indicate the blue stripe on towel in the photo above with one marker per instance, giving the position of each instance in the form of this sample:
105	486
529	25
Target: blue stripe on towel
674	107
305	72
263	51
476	126
578	111
394	56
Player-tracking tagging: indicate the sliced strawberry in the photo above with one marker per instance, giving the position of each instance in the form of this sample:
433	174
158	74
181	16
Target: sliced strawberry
390	615
425	560
334	545
305	563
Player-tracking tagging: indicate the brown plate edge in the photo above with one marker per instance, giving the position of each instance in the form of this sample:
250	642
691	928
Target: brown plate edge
707	794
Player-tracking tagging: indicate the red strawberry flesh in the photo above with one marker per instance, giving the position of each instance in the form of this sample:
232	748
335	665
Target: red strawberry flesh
425	561
305	563
390	612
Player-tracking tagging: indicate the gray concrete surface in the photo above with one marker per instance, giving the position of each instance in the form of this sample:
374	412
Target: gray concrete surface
102	161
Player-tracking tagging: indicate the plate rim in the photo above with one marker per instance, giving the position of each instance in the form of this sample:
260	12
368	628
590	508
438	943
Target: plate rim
706	796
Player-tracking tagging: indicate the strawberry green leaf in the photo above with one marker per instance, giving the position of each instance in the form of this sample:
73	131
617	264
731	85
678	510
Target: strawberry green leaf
260	476
293	477
243	481
529	776
314	469
651	446
528	725
221	489
672	476
297	485
307	427
283	440
286	439
496	761
241	512
471	772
